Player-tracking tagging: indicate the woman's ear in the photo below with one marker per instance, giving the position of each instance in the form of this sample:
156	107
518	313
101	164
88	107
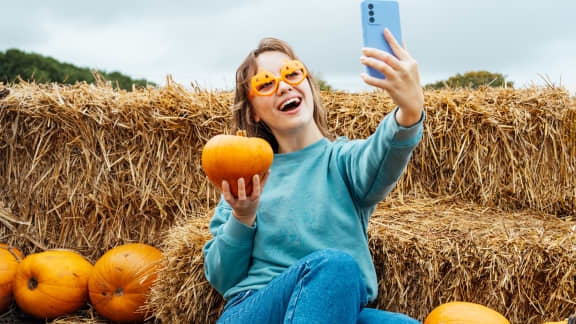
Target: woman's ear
256	118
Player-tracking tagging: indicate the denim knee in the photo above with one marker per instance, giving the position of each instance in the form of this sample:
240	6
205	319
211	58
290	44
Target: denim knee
341	269
337	263
338	258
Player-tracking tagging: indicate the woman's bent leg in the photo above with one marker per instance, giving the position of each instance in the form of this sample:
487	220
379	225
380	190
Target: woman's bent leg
323	287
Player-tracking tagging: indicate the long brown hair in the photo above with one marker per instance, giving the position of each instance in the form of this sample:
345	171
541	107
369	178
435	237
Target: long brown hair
242	114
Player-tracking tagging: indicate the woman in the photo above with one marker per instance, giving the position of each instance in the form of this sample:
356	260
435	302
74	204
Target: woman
298	252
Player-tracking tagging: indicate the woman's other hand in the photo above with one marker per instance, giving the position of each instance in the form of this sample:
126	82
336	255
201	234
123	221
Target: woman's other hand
244	208
402	79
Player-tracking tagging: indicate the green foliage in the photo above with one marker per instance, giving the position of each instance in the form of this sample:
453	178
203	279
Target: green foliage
473	80
42	69
323	85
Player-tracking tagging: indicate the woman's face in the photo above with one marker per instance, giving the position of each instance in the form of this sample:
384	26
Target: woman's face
291	107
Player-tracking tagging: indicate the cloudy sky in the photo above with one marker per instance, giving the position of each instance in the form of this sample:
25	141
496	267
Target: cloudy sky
529	41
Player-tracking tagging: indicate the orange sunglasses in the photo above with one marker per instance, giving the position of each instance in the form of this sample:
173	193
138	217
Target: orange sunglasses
266	83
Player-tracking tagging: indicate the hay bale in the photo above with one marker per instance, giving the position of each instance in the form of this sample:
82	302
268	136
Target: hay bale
429	252
426	252
506	148
181	293
89	167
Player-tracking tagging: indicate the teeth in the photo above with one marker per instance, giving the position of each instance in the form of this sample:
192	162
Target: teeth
293	100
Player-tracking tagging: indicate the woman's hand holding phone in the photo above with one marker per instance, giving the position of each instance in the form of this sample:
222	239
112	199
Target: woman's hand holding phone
244	208
402	80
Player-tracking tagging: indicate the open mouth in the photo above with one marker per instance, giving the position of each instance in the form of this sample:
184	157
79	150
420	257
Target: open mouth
290	104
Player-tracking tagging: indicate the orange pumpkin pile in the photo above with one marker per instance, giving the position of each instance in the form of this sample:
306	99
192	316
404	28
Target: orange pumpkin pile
230	157
121	281
56	282
9	259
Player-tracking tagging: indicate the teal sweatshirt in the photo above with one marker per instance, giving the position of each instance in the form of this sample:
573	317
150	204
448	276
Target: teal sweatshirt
318	197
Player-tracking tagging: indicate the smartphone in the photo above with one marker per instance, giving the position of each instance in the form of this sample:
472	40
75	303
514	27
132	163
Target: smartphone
377	15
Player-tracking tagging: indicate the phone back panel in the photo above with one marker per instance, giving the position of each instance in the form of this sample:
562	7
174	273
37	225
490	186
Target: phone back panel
377	15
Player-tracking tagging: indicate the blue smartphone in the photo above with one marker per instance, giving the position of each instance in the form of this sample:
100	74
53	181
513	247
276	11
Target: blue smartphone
377	15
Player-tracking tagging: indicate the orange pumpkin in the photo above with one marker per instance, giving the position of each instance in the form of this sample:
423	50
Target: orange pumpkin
9	259
121	281
230	157
464	313
52	283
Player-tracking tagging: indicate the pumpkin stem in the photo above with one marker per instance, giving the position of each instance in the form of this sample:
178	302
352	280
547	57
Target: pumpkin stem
241	132
119	292
32	283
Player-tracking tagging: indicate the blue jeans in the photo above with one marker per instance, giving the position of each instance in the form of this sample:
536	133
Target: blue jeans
323	287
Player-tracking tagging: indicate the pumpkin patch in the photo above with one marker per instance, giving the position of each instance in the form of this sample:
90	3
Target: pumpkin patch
52	283
230	157
121	281
9	259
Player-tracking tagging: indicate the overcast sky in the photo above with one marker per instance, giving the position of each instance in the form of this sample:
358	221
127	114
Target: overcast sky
205	41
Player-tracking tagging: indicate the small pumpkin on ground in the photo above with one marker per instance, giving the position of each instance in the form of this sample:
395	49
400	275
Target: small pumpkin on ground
121	281
464	313
52	283
9	259
230	157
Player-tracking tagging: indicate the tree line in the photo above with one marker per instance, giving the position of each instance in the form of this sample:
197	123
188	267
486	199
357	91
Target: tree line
15	64
473	80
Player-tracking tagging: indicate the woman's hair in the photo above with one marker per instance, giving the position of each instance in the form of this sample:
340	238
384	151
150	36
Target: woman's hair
242	114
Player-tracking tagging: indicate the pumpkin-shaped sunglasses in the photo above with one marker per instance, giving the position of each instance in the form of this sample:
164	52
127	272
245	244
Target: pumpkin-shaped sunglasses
266	83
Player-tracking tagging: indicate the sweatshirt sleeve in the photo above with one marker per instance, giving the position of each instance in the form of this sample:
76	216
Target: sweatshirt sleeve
372	167
227	256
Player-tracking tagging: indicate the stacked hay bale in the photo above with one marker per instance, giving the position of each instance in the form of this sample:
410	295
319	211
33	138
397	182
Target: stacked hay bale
89	167
426	252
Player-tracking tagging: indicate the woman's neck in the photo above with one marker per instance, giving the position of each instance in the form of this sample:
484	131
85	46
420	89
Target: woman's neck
298	139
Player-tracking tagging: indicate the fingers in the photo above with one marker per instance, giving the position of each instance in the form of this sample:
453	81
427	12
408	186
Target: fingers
241	189
265	178
255	187
400	52
380	55
226	192
258	186
383	62
228	196
377	82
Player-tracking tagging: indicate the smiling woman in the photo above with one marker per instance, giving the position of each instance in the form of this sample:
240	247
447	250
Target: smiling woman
271	58
295	249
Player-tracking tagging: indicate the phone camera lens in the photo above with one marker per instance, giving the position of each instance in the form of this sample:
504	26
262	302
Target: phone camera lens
370	6
371	13
371	19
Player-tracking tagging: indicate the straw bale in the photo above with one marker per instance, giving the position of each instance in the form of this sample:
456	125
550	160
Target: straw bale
429	252
426	252
90	167
181	292
509	148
